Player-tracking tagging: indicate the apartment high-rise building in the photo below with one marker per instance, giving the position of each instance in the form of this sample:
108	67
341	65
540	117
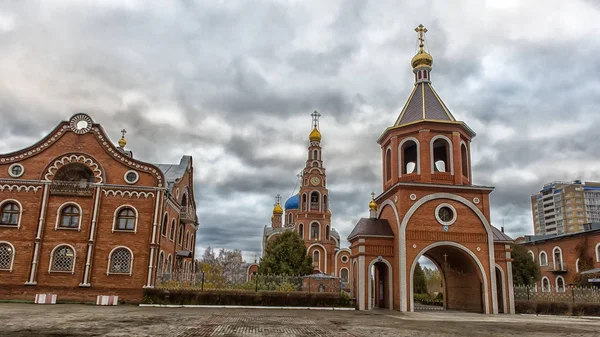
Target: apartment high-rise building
563	207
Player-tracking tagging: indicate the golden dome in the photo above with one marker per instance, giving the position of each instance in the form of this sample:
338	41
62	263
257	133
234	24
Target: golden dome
277	209
372	204
315	135
122	142
422	59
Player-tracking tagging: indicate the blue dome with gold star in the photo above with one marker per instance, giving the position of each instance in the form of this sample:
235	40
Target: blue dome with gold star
292	202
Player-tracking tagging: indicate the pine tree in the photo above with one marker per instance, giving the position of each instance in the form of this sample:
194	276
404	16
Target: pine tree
419	282
286	255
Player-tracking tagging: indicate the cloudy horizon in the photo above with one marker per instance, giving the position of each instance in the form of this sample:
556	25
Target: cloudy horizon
233	84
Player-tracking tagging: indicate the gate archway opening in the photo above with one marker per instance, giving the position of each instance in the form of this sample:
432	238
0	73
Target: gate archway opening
380	285
464	284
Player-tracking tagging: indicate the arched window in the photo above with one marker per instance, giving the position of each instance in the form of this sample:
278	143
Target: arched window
187	239
327	233
545	284
315	155
172	232
464	160
388	165
10	214
62	259
169	266
180	239
410	157
532	255
304	203
120	261
69	217
75	172
598	252
543	259
161	262
325	206
301	230
314	200
290	218
314	231
184	201
7	256
441	155
560	284
316	258
557	258
126	219
344	275
165	225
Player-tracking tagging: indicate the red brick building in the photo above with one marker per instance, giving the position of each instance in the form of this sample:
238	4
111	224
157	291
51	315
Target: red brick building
308	214
430	207
81	217
558	256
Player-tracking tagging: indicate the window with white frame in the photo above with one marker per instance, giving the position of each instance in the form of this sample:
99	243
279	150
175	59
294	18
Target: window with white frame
180	239
545	284
165	225
560	284
126	219
7	256
169	264
532	255
557	258
172	233
11	212
316	258
63	259
120	261
543	259
161	261
344	275
69	217
598	252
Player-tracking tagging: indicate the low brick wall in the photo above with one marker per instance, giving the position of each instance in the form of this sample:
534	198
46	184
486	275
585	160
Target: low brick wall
69	294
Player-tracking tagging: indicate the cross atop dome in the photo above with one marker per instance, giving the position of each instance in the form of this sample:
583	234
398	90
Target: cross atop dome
315	135
421	30
315	117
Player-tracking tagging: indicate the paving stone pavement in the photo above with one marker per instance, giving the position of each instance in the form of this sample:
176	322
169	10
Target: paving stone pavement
86	320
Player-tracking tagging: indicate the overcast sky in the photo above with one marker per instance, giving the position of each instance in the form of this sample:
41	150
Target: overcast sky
233	83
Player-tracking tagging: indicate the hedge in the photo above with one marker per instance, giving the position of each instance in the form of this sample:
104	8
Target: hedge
557	308
260	298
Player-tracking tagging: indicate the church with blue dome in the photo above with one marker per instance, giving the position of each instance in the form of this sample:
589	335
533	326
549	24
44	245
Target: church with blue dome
307	212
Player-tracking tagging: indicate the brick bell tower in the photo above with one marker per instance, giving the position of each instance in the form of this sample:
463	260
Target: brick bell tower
314	218
430	208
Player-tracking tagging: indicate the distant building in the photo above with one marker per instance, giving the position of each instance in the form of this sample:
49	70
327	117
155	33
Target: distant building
565	207
80	217
558	256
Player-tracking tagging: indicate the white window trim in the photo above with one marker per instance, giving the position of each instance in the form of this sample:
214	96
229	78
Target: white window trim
137	177
347	270
442	222
342	259
389	148
172	228
549	286
450	150
58	216
166	235
319	202
180	233
418	163
114	226
556	284
532	254
577	266
72	271
316	250
158	267
10	173
169	262
554	258
310	230
6	201
12	259
108	272
462	143
598	252
540	258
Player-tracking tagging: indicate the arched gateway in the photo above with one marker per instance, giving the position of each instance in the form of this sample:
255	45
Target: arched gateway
430	208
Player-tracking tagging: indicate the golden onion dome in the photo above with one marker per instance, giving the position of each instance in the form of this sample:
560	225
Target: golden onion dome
315	135
422	59
373	205
277	209
122	142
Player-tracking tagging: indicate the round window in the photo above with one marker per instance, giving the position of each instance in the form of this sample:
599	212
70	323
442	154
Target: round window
16	170
445	214
131	177
344	259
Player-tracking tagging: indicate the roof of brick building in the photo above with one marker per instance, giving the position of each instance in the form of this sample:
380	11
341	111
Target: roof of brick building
371	227
424	104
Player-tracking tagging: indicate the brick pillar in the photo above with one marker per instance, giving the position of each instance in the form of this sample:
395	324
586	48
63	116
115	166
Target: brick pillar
457	158
424	155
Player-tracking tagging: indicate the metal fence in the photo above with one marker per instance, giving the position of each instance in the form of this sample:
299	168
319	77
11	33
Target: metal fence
571	294
258	282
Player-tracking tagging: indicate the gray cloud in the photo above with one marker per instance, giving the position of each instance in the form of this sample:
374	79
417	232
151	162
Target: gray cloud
233	84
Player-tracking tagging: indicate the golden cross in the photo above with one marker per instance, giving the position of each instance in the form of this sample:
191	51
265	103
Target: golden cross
123	132
421	30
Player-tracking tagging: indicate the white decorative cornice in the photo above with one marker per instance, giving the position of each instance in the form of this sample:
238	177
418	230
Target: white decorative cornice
129	194
19	188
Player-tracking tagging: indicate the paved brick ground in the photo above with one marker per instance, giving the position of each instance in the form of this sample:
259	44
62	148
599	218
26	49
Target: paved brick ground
84	320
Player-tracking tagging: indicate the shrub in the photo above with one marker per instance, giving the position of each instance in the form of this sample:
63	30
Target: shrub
261	298
557	308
